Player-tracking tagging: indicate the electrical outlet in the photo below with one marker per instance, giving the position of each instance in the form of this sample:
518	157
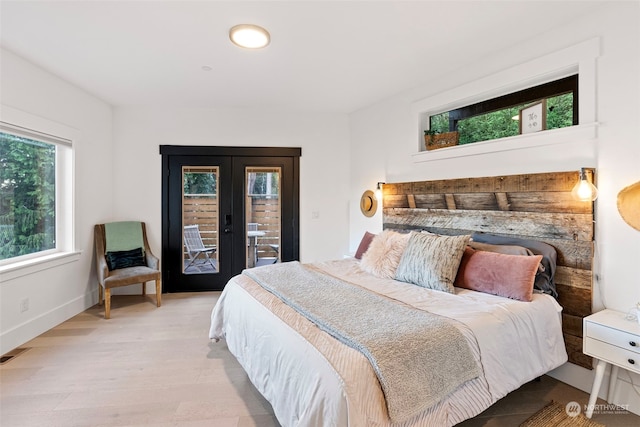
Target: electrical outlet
24	305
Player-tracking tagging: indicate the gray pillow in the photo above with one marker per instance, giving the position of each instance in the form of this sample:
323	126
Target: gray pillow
432	261
544	279
501	249
504	249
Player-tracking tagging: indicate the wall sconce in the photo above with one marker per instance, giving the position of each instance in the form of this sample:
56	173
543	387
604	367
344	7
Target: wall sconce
584	190
379	190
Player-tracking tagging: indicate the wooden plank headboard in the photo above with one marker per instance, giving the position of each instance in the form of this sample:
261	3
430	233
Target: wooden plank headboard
533	206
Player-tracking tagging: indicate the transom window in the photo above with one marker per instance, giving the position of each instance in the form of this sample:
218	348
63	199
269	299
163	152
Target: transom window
499	117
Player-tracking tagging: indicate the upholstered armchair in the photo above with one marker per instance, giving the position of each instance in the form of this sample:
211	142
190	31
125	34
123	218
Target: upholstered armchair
123	258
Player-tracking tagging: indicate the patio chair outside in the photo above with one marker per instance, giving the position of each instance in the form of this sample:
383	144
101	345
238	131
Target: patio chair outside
196	248
276	248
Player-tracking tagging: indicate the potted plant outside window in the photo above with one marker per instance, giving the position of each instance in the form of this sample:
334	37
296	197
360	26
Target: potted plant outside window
434	140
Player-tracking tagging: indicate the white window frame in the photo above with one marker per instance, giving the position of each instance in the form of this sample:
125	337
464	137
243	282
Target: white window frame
579	59
27	125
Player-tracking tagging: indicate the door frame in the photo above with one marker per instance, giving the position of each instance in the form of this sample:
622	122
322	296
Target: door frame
167	151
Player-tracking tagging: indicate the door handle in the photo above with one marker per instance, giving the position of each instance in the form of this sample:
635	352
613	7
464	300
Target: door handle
227	224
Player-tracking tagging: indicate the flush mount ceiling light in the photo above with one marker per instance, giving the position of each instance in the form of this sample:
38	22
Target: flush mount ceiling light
249	36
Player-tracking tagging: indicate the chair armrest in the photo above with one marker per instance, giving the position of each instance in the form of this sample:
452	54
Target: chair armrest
152	260
102	270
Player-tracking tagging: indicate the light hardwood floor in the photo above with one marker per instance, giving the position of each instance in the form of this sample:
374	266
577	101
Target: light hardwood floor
156	366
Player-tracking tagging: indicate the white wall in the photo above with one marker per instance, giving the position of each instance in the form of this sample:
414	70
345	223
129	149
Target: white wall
384	138
58	293
324	165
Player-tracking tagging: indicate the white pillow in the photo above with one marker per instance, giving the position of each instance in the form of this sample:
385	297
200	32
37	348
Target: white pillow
383	255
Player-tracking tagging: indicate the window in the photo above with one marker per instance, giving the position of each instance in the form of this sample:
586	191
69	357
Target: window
498	117
27	196
36	193
263	181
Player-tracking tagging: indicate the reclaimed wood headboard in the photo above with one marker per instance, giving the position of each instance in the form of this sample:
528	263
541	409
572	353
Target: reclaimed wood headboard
534	206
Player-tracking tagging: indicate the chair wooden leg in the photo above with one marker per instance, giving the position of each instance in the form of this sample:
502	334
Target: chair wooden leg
158	292
107	303
144	288
100	296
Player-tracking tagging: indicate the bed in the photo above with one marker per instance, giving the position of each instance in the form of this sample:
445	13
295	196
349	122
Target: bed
313	377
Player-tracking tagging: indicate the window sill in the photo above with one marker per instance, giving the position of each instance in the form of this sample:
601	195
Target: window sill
24	268
518	142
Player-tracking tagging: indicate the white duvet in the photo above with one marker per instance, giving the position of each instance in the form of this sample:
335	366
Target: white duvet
313	380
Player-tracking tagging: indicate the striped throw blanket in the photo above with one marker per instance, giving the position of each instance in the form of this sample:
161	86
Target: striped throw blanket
419	357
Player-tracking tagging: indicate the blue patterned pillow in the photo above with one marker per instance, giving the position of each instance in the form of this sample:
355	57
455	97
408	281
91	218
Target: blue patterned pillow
125	259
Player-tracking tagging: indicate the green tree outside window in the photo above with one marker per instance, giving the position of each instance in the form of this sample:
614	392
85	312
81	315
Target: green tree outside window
503	123
27	196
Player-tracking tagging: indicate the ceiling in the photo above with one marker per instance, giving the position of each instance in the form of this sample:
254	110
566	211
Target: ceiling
324	56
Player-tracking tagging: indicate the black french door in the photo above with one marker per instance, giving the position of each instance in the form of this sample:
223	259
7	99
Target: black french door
226	209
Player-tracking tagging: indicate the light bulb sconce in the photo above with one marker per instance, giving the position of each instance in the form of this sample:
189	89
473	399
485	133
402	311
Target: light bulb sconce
584	190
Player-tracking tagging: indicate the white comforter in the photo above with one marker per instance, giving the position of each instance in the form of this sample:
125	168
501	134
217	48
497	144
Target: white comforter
313	380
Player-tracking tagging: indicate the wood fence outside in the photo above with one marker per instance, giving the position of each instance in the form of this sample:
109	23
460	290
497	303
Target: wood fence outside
263	210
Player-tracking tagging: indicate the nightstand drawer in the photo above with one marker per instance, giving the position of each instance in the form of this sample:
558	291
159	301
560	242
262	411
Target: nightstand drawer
612	354
613	336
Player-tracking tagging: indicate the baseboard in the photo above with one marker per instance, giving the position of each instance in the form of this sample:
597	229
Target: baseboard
26	331
625	395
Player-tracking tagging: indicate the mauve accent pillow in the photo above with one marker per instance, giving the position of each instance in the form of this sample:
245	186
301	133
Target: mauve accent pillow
364	244
431	261
383	255
510	276
544	279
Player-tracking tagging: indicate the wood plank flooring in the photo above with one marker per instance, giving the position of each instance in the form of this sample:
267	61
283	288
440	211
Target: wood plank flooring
155	366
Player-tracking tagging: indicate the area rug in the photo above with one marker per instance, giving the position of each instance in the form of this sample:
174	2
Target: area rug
556	415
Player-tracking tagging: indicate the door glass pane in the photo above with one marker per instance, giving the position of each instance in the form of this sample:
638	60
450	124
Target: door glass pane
200	219
262	210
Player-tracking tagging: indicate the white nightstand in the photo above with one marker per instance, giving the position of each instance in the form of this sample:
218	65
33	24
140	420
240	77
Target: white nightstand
611	339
